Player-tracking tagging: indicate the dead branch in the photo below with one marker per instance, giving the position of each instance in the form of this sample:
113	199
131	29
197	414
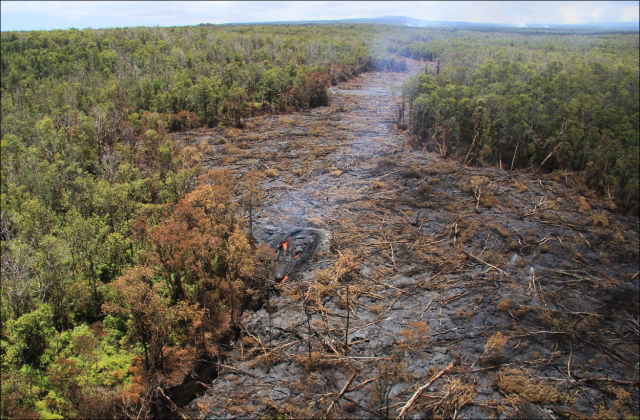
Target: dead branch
365	383
326	340
452	298
208	386
604	379
364	340
366	325
437	404
237	370
385	175
174	407
344	389
360	358
484	262
393	259
257	340
282	347
426	307
416	394
443	332
548	156
464	162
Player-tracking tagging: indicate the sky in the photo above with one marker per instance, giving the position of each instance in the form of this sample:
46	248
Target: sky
35	15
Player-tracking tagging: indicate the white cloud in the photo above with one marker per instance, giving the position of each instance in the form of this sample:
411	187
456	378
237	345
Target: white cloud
630	14
62	14
597	12
569	14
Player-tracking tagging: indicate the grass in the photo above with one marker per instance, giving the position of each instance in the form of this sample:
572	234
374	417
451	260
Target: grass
495	343
528	387
599	219
288	121
489	199
318	130
271	172
416	337
413	172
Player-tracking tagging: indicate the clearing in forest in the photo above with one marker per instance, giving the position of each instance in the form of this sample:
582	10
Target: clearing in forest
439	290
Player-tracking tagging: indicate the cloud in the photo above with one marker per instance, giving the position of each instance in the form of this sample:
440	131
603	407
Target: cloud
18	15
630	14
569	14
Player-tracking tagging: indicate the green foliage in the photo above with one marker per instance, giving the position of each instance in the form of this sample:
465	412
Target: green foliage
71	367
164	70
29	337
539	101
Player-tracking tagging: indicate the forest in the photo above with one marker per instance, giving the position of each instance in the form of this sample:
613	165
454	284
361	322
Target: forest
126	259
557	102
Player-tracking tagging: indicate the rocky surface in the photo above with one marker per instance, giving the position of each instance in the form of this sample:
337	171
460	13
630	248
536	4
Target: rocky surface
479	291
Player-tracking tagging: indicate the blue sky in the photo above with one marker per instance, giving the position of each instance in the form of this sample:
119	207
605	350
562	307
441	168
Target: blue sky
24	15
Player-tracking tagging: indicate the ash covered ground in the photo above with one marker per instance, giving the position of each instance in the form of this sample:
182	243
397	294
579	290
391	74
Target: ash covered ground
440	291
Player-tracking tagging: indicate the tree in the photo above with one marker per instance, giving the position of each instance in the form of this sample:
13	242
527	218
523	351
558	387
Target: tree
29	336
85	237
150	317
252	196
235	106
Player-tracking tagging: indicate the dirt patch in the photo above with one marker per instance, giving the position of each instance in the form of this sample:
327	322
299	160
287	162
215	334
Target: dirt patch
528	288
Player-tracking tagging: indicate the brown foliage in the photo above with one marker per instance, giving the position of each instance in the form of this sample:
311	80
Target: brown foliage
189	244
17	389
524	384
134	400
200	252
183	120
63	376
310	92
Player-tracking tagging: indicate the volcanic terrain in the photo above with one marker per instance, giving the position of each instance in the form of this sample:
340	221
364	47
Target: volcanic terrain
436	289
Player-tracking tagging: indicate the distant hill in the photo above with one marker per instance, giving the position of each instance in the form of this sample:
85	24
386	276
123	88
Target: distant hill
407	21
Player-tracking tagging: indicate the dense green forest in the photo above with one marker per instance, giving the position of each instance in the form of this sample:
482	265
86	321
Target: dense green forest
124	260
544	102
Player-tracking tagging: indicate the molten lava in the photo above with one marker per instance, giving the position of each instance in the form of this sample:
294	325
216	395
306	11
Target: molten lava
293	251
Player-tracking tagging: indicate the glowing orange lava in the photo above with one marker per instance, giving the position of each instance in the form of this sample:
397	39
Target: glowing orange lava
283	280
284	246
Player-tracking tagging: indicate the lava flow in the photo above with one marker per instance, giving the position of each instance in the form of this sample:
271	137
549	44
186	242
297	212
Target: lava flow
284	251
294	251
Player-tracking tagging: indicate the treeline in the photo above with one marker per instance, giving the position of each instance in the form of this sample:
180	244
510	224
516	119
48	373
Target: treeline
539	101
218	73
123	261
